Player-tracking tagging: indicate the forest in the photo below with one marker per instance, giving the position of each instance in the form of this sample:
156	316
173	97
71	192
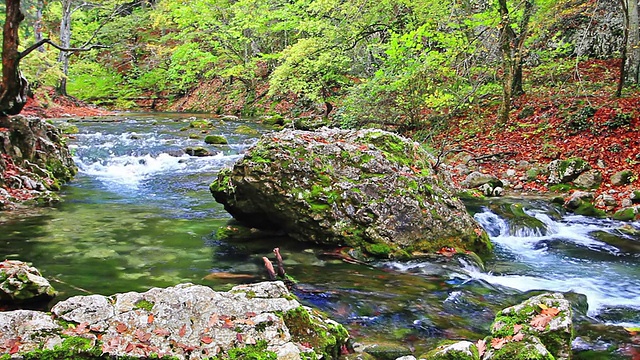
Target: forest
403	63
532	80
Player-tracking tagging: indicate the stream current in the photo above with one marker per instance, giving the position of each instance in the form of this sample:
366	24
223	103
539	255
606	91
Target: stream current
139	215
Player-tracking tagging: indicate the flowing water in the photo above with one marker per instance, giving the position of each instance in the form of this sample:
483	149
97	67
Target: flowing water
139	215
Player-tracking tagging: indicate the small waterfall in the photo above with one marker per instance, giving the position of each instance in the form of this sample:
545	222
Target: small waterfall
568	257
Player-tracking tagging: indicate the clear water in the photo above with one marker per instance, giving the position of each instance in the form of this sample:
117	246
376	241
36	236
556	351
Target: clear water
139	214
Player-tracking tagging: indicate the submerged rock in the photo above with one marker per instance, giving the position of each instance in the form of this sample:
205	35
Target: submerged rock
183	322
21	283
368	189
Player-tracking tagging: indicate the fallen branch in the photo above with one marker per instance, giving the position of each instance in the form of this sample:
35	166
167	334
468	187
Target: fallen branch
498	154
443	153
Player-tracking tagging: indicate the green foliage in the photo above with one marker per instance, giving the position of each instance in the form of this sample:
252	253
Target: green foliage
91	80
619	120
41	69
250	352
387	62
309	69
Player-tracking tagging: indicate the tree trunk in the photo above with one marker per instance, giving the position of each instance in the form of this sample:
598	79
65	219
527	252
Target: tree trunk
506	35
623	52
65	42
37	26
13	89
518	57
633	43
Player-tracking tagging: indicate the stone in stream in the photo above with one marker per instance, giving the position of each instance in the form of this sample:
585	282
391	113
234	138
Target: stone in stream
547	317
183	322
369	189
539	328
21	283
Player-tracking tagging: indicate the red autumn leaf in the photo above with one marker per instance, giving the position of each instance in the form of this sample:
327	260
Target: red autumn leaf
162	332
517	328
497	343
550	311
183	330
206	339
540	322
228	324
186	347
15	346
478	231
150	319
239	337
482	347
518	337
110	345
213	320
142	336
129	347
120	328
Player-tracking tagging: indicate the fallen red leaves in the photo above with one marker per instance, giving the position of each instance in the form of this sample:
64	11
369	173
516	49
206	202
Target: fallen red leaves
610	136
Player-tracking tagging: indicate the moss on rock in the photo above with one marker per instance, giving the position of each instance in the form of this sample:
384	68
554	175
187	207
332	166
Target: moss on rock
368	189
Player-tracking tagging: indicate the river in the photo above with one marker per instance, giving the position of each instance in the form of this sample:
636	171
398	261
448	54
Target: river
139	215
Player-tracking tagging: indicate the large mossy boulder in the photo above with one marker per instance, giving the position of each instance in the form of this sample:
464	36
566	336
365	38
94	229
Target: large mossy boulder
34	161
368	189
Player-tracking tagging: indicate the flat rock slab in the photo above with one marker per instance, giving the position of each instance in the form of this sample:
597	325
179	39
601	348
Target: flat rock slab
186	322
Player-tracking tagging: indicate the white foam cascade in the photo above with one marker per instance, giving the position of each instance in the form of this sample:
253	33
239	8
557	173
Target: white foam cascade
606	283
130	170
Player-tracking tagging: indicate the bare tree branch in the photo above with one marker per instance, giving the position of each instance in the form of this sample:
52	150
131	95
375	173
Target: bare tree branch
28	50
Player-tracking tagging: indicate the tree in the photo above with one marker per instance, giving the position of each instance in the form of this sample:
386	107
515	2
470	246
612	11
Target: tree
512	45
13	89
14	86
630	54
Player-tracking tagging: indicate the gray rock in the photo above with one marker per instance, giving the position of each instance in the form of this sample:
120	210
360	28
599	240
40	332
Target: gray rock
606	201
563	171
368	189
197	151
186	322
621	177
590	179
21	283
37	152
462	350
477	179
31	329
576	199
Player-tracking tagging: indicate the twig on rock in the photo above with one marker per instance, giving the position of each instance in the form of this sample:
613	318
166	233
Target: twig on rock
281	272
269	266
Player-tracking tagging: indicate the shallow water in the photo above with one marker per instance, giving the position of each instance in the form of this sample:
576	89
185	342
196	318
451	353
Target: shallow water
139	215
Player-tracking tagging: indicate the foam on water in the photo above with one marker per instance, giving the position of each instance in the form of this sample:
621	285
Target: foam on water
613	282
